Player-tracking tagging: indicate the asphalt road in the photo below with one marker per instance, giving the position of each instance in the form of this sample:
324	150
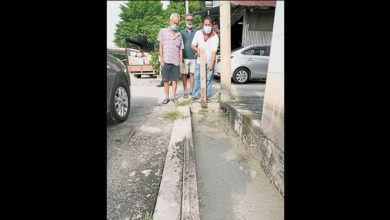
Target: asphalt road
136	148
136	151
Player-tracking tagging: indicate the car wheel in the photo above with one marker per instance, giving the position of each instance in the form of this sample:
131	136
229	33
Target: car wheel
241	75
138	76
120	102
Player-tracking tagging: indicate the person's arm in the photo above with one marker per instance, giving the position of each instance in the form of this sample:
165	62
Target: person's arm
161	55
181	52
181	58
194	45
195	48
160	39
213	53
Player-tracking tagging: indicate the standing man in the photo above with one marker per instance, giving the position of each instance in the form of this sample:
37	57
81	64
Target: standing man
171	55
208	40
188	34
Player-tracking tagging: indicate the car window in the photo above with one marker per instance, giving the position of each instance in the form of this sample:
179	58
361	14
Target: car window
261	51
250	51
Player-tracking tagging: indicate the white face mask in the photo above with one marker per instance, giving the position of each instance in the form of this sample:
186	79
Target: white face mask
189	25
207	30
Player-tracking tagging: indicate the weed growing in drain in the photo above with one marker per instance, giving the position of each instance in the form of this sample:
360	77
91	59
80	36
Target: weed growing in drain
219	95
173	115
148	216
232	96
183	103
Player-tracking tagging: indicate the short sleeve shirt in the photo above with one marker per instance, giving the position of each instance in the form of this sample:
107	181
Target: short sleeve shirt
188	53
210	45
171	46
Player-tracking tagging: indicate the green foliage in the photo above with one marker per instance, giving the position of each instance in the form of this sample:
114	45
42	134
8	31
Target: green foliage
233	97
184	103
173	115
155	64
148	216
139	17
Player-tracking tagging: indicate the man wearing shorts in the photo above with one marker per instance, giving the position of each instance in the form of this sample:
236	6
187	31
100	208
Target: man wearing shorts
188	34
171	55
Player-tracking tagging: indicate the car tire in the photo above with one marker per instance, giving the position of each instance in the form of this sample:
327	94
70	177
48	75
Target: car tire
120	97
241	75
138	76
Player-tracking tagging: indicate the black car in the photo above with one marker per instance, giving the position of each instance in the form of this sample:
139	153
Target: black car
118	90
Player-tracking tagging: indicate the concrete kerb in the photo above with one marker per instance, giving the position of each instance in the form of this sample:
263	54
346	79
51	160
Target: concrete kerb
178	194
247	125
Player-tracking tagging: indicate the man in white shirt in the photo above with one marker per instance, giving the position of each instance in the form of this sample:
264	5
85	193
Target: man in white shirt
207	39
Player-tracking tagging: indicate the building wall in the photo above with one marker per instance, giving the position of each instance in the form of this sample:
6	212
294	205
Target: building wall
272	122
254	37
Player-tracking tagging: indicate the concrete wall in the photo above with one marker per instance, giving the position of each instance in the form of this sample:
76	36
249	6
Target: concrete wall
272	121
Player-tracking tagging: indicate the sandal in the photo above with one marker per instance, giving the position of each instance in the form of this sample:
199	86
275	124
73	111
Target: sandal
165	101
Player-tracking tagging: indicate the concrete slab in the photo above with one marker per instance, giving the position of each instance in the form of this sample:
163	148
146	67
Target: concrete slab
178	197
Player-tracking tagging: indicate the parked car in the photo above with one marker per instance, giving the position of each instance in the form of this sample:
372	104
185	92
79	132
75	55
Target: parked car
118	90
249	62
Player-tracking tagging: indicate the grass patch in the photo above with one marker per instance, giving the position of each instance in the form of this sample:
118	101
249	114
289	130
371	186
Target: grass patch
219	95
184	103
233	97
173	115
148	216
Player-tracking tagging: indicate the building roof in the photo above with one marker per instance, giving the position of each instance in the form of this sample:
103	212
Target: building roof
254	3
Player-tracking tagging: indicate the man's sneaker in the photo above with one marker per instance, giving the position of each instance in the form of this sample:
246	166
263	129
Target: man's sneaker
173	100
160	85
165	101
185	96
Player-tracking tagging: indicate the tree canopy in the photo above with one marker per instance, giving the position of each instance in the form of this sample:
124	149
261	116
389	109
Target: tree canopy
148	17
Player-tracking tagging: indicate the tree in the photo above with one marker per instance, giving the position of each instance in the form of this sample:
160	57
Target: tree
139	17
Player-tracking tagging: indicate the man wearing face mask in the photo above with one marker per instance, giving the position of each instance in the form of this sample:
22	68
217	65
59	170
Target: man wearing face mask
188	34
208	40
171	56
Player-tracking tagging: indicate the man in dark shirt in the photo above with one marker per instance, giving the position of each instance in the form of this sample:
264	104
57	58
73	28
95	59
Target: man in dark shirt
188	34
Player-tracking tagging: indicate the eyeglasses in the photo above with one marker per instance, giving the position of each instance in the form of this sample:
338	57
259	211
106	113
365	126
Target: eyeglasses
189	19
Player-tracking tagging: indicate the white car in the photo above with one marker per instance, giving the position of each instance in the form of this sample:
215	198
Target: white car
250	62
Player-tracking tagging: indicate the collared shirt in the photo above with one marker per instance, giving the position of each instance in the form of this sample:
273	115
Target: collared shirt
188	53
210	45
171	46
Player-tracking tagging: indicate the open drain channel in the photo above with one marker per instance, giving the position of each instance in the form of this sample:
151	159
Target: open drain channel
231	185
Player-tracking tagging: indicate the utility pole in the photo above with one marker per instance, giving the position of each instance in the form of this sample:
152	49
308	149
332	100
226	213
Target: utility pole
187	7
225	50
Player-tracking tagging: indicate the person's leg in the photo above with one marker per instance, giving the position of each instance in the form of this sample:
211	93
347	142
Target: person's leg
196	91
174	85
192	82
175	77
209	82
184	83
192	69
166	89
165	78
184	71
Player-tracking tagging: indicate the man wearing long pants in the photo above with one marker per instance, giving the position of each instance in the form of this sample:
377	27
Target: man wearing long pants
207	39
